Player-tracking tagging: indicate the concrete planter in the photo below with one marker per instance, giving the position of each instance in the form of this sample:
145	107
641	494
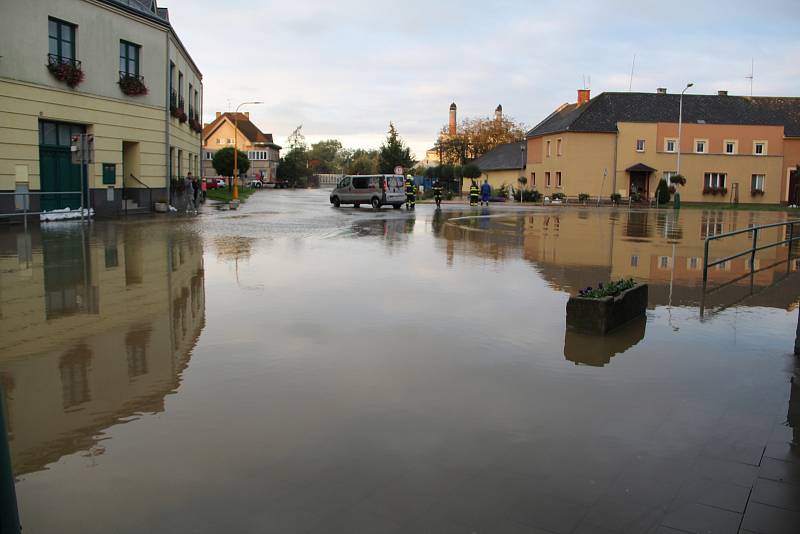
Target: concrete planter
601	316
161	207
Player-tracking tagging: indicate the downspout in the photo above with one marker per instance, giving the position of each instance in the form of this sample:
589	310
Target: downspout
166	124
614	176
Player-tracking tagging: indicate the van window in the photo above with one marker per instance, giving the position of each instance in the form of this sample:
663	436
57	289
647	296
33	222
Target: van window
361	182
344	182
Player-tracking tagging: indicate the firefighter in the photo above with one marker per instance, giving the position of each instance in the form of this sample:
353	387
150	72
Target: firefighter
474	194
437	193
411	193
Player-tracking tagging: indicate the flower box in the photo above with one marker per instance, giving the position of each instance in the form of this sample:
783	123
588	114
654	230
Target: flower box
65	70
757	192
599	316
131	84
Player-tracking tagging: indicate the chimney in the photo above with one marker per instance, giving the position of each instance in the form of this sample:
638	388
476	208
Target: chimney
498	113
722	93
583	96
453	118
247	114
661	90
218	114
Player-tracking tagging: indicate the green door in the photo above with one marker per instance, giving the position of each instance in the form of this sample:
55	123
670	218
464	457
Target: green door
57	172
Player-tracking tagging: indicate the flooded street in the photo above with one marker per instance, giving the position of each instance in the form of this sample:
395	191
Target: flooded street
290	367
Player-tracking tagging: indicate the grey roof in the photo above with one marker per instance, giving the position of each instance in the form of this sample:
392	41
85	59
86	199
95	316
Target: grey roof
603	112
503	157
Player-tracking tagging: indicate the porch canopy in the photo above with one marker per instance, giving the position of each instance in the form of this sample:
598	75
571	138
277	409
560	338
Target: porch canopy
640	167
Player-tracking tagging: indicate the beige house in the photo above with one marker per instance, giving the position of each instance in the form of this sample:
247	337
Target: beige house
262	152
503	165
732	148
100	67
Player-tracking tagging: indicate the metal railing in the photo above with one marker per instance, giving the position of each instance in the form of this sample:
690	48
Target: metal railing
123	75
55	59
753	249
26	202
146	188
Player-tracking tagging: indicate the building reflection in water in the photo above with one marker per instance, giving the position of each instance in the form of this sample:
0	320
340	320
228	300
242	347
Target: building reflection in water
97	326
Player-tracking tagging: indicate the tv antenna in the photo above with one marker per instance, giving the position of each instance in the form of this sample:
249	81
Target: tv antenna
750	77
630	83
587	81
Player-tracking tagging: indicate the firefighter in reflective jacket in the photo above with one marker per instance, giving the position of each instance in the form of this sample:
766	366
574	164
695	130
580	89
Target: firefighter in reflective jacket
474	194
437	193
411	193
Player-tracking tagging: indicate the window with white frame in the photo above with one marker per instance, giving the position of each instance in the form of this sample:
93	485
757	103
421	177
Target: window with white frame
715	180
547	179
693	263
209	155
558	178
219	141
760	148
700	146
558	147
640	145
548	149
664	262
729	146
670	145
533	179
634	261
668	174
757	182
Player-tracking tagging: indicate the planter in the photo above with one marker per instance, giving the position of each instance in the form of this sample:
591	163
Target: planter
601	316
132	85
585	349
161	207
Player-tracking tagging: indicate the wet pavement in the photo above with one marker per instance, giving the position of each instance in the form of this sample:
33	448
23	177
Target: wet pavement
290	367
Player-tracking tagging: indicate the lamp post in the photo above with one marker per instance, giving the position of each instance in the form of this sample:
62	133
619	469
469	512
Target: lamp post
680	123
236	150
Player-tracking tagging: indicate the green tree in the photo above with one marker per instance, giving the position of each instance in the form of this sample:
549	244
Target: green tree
394	152
323	154
223	161
293	166
662	192
471	171
363	162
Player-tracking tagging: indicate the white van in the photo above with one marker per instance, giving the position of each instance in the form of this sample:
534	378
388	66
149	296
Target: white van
377	190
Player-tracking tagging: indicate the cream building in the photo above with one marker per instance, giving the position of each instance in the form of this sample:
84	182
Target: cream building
263	153
732	148
128	60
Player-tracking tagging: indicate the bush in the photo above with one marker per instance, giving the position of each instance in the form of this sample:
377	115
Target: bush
583	197
677	179
662	192
528	196
609	290
503	191
558	196
616	198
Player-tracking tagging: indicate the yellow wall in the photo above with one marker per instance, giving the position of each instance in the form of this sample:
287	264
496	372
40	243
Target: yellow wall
496	179
583	161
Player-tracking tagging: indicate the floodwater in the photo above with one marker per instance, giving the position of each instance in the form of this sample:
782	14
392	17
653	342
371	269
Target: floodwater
290	367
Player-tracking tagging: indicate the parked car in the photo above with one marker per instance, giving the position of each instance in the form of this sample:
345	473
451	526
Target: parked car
215	183
376	190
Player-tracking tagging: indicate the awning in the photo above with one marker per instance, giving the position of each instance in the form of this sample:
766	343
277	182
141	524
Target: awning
640	167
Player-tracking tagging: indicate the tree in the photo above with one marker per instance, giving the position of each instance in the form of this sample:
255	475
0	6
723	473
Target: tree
324	155
223	161
662	192
475	137
471	171
363	162
394	152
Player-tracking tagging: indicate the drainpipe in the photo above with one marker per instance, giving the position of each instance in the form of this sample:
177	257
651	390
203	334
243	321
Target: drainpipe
614	171
166	124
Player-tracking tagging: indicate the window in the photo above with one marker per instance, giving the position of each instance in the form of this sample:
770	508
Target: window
547	179
548	149
21	199
196	101
558	179
700	146
129	58
61	39
640	145
219	141
634	261
190	100
666	175
209	155
558	147
670	145
533	178
180	163
664	262
760	148
693	263
730	146
715	180
757	182
361	182
180	89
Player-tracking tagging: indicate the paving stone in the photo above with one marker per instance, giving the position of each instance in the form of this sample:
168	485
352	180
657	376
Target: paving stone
783	450
743	451
624	515
776	494
650	480
723	495
770	520
547	512
700	518
726	471
780	471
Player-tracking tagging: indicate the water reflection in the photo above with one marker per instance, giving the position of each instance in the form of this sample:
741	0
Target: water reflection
92	332
597	351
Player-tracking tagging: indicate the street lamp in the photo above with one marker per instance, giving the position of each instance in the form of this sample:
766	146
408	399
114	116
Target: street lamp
680	122
236	150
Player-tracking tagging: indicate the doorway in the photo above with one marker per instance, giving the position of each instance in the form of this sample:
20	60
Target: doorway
794	188
57	172
640	185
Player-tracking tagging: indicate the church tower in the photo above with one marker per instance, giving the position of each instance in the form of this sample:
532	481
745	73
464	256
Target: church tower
452	130
498	113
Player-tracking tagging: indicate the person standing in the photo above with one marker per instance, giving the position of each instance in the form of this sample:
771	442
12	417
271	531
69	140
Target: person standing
188	182
437	193
474	194
486	191
411	193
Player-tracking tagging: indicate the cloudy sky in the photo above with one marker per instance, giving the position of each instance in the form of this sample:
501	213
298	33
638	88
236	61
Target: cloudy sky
345	69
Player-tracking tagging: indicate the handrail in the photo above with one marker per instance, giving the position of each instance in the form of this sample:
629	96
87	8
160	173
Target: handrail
149	193
138	180
753	249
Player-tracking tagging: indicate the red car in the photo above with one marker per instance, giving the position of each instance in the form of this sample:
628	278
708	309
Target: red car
214	183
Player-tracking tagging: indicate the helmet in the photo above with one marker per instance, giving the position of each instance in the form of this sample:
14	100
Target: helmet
409	177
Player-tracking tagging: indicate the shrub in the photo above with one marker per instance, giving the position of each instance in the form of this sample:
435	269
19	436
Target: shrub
672	189
528	196
662	192
558	196
609	290
503	191
583	197
677	179
616	198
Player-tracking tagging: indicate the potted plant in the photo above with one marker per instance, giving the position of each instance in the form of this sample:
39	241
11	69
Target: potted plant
602	309
583	197
132	85
66	70
757	192
559	196
616	198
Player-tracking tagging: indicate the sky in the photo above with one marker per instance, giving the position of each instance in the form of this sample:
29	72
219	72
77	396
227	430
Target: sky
345	69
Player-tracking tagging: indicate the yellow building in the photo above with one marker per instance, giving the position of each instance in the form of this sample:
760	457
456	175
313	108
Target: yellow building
262	152
503	165
731	148
112	69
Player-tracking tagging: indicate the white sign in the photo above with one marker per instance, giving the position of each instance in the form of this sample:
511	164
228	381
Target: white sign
398	170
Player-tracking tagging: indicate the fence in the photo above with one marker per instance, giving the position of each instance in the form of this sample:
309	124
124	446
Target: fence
25	211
